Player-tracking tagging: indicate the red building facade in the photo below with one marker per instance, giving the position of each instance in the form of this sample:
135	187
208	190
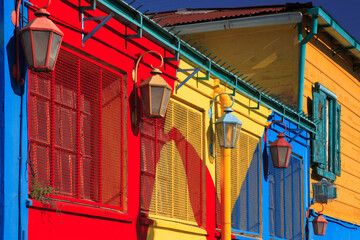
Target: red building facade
82	139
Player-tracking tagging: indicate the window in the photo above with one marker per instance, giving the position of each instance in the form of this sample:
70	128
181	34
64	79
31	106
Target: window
245	185
285	200
172	169
326	147
77	131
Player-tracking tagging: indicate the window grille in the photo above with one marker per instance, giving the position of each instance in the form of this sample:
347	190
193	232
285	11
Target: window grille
171	164
285	197
77	131
245	185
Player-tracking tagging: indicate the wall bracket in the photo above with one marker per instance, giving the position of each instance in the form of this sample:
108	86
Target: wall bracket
208	70
104	20
177	52
195	70
139	25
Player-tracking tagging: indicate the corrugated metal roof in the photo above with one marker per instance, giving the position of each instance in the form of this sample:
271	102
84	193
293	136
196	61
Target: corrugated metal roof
191	15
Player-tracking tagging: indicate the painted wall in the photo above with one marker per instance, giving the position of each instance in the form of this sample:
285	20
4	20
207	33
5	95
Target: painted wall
199	94
108	46
2	82
336	74
13	149
268	55
285	192
73	221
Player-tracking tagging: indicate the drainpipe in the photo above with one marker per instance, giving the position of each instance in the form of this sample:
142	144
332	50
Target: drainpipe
225	101
314	26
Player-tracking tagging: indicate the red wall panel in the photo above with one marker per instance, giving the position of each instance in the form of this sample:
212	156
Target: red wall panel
108	46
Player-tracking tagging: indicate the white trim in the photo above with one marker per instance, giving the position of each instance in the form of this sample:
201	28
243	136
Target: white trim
266	20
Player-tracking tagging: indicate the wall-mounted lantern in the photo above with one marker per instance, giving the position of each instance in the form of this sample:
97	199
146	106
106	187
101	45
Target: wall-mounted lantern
155	91
280	149
41	40
228	127
319	224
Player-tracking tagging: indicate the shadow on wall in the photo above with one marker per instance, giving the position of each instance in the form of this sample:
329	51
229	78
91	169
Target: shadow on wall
245	214
11	58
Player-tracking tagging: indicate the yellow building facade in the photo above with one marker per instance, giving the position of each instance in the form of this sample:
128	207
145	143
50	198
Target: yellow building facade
295	58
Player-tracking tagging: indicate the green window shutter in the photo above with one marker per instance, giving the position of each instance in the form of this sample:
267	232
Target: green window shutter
319	116
337	158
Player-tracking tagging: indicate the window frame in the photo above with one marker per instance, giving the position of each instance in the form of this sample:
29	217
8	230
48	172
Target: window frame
63	195
326	160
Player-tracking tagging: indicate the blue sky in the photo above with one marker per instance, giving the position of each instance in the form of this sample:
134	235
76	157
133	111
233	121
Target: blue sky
345	12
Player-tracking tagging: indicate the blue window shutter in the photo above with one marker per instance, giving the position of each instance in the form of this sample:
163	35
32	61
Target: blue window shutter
319	116
337	158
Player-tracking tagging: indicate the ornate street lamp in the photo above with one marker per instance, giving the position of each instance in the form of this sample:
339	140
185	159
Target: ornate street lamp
228	129
41	40
280	149
155	91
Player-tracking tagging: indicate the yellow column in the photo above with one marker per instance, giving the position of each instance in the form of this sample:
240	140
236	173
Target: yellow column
226	193
225	159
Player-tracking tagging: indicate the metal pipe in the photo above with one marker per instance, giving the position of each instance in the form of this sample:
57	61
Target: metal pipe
225	159
314	25
225	193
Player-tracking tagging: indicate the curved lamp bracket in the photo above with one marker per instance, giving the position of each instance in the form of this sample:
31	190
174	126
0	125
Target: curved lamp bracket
211	146
268	127
134	72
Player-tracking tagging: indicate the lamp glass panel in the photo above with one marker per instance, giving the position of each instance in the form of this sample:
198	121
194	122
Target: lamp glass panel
289	153
230	134
274	155
41	41
320	227
26	40
324	227
145	99
237	133
166	101
220	132
283	154
157	93
55	46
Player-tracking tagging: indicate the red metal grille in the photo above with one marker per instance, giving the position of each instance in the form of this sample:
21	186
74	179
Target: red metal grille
76	131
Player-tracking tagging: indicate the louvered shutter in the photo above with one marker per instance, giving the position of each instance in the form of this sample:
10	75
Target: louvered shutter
245	185
76	132
337	158
319	116
172	166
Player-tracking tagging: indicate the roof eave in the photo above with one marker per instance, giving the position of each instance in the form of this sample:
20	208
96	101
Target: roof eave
265	20
330	26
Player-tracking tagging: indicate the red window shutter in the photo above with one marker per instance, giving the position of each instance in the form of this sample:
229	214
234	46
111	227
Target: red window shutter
77	131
